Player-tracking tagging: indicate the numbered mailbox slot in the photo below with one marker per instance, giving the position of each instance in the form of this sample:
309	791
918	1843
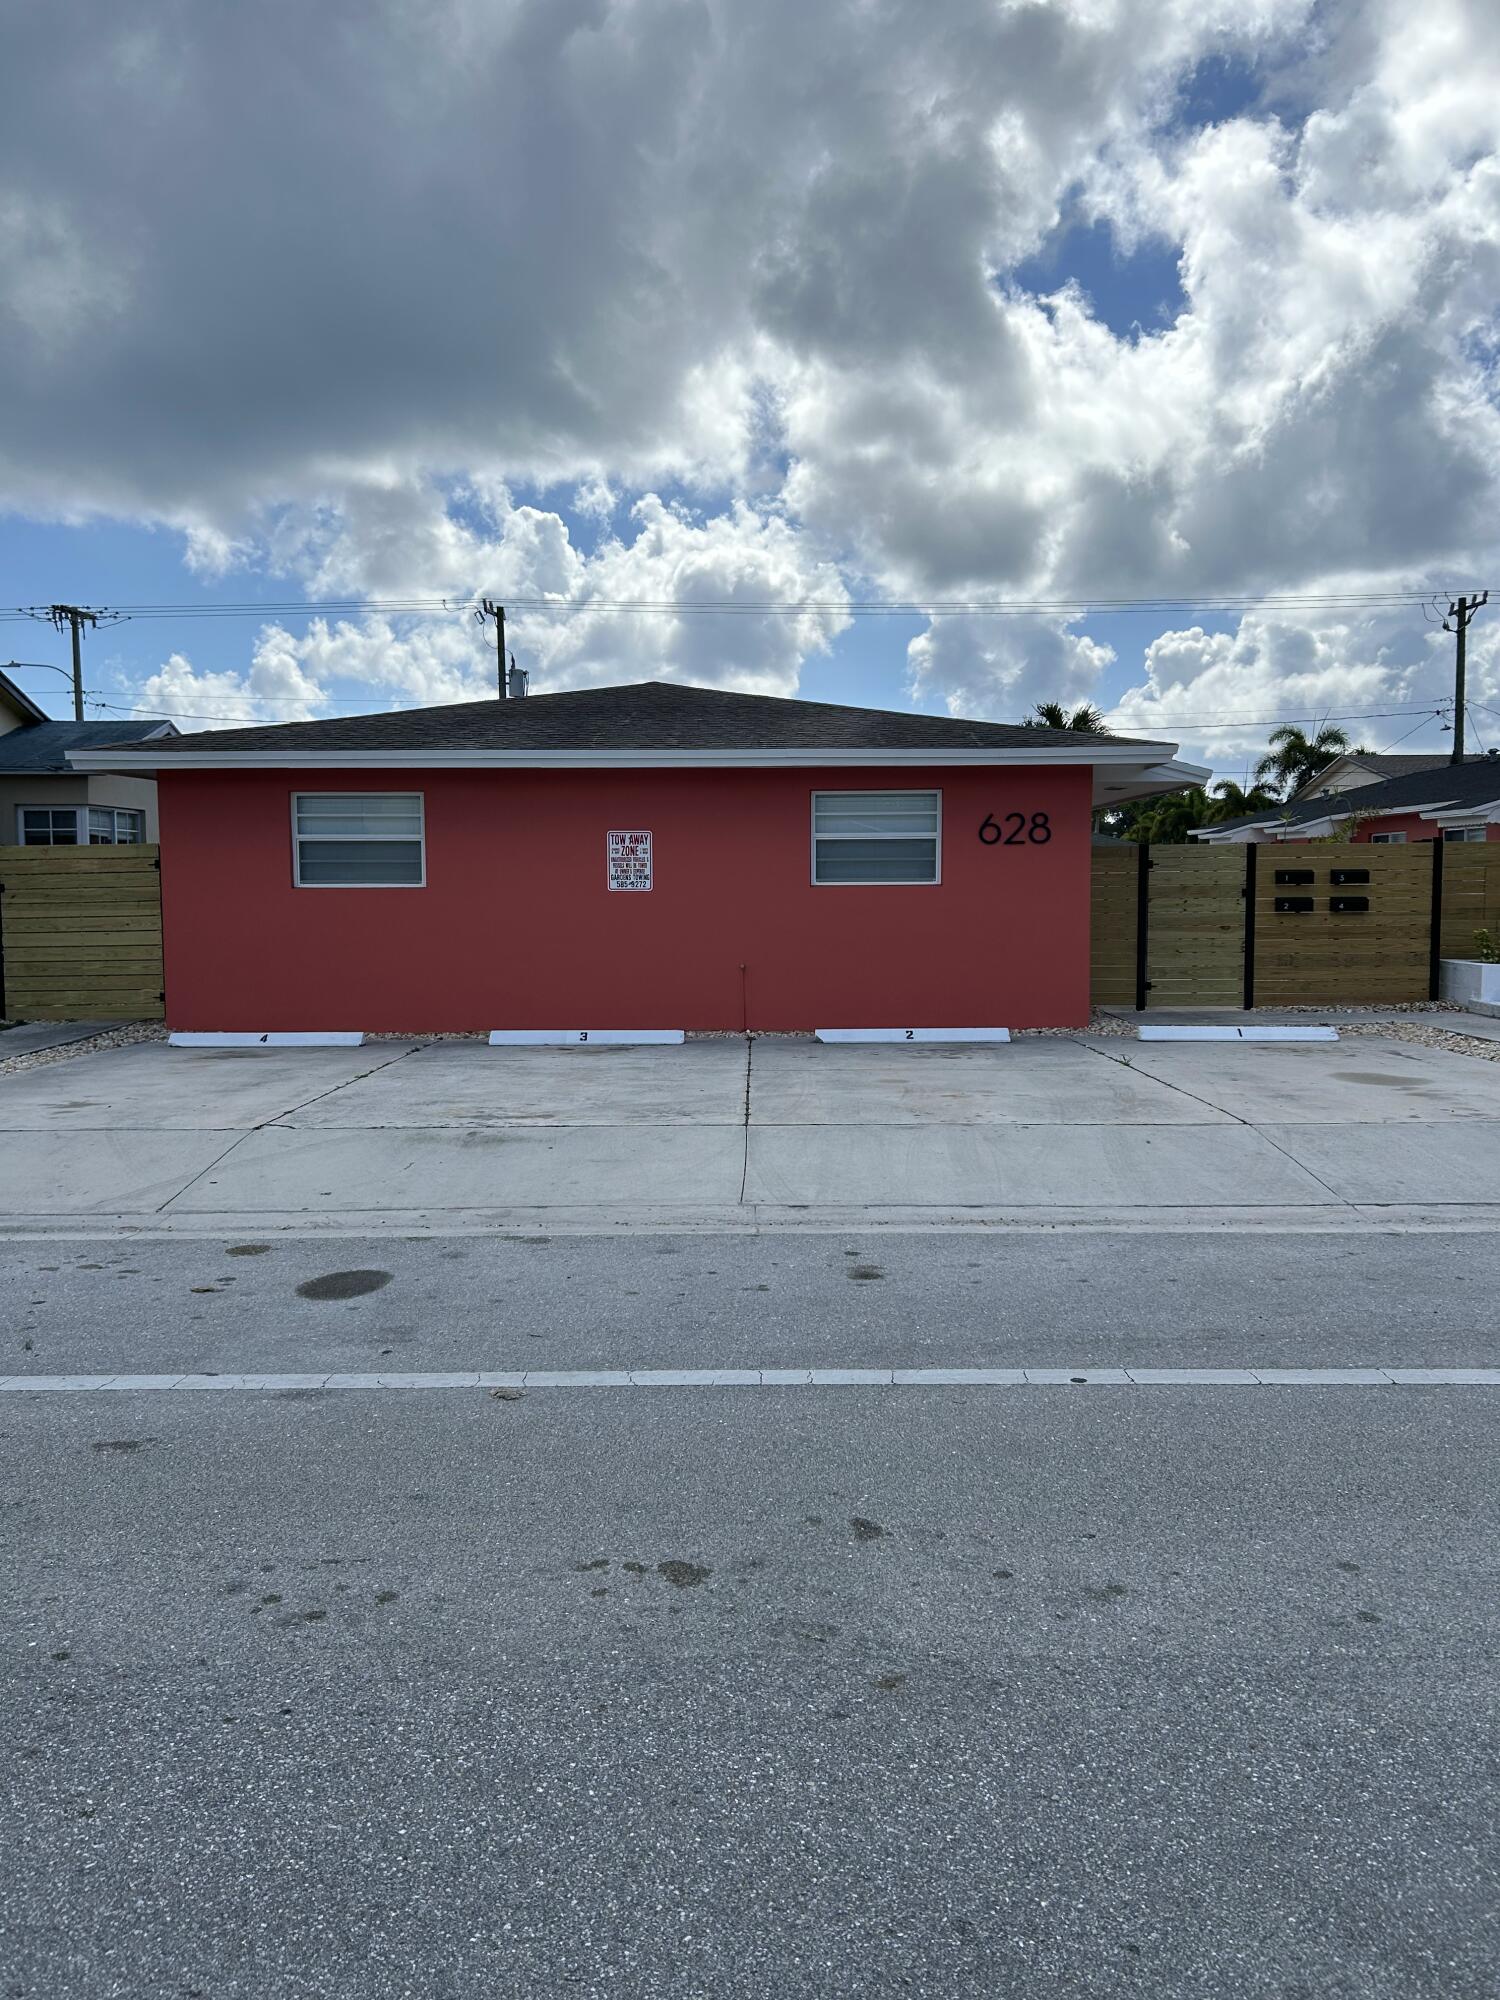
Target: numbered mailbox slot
1292	906
1292	878
1338	876
1349	906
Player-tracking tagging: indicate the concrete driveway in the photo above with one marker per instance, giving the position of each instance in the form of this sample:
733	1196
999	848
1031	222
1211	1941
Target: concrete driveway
714	1134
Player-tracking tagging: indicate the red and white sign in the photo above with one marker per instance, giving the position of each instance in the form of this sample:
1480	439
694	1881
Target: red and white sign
630	860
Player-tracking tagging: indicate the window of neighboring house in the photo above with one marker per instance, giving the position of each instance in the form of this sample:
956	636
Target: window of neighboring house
357	840
889	837
109	825
1463	833
47	826
1388	840
79	826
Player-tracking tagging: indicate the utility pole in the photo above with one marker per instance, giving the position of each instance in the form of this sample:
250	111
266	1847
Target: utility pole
488	608
75	618
1460	617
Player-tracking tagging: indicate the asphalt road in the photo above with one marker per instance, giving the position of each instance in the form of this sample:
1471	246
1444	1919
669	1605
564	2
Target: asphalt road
940	1299
1185	1692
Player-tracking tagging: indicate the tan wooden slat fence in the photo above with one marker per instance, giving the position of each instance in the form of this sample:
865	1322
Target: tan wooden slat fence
80	932
1209	944
1195	948
1471	895
1351	957
1112	926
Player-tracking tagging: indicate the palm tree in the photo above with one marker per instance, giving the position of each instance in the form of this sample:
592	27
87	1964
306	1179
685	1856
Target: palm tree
1169	818
1231	801
1294	757
1085	717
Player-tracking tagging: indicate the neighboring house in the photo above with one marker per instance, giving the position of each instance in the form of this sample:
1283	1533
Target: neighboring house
1367	767
654	856
45	802
1440	801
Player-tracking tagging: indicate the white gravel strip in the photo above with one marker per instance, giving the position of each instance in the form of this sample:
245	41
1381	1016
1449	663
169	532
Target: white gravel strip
1424	1037
112	1038
784	1378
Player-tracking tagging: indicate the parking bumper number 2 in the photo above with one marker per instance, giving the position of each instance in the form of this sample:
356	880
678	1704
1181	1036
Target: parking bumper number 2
1017	830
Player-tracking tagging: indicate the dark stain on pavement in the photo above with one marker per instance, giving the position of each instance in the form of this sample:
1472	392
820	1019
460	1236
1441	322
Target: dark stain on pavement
1105	1593
123	1444
888	1683
866	1531
343	1284
865	1272
247	1250
1374	1076
683	1575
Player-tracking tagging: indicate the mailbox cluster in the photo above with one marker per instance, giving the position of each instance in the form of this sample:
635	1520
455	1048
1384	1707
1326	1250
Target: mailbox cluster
1339	906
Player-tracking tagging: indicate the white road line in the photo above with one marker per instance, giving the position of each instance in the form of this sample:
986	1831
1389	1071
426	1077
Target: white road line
783	1378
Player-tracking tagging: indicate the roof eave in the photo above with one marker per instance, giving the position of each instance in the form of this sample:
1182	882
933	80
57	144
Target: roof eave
1147	780
1142	756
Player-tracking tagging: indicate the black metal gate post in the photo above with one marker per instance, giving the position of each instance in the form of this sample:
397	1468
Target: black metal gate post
1142	921
1435	942
1249	894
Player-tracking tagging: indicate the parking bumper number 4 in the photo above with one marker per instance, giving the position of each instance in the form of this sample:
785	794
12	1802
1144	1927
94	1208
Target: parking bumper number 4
1016	829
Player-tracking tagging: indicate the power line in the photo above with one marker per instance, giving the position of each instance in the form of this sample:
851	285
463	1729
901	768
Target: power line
1078	605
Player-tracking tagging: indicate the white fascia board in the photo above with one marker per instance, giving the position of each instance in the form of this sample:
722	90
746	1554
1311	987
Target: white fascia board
1220	836
625	760
1320	829
1463	815
1114	786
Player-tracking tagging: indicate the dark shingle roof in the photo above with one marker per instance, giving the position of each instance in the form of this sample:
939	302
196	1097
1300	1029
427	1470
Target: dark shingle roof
1473	783
649	715
44	746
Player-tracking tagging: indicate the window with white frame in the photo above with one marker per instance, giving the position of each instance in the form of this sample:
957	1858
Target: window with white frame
79	826
357	840
1388	840
115	825
890	837
1463	833
47	826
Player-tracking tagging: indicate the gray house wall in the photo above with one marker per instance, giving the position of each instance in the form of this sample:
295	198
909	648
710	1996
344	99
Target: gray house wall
99	788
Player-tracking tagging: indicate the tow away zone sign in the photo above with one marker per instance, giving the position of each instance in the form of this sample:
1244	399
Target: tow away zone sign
630	860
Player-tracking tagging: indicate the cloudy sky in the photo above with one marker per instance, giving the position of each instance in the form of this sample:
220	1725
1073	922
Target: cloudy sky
937	304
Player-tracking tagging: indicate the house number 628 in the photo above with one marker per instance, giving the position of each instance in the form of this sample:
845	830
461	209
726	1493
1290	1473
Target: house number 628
1037	830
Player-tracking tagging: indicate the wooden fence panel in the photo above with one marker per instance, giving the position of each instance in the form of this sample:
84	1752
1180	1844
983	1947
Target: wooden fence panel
1471	895
1112	927
1195	951
1317	957
80	929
